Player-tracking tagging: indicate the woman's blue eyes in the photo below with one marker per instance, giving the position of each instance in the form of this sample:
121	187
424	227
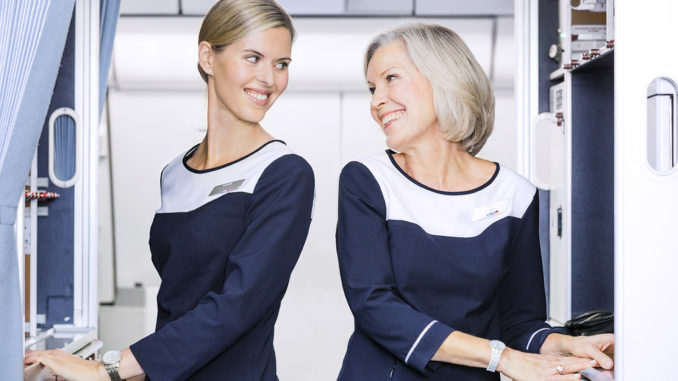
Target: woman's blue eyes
279	65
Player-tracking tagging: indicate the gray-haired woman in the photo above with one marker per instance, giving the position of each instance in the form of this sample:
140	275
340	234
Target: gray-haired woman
438	249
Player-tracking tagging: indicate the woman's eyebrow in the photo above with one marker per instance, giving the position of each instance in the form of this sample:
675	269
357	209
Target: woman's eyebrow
253	51
390	68
262	55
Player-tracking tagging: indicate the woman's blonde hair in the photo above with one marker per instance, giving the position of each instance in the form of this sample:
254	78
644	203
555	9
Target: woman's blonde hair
230	20
462	95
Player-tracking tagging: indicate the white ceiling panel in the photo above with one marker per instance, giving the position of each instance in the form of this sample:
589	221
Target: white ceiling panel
196	7
307	7
161	53
149	7
463	8
380	7
157	53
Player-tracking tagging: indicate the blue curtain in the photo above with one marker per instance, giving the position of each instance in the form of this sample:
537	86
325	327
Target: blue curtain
32	38
110	9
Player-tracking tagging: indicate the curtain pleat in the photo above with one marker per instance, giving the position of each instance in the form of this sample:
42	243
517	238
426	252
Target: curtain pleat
110	10
32	38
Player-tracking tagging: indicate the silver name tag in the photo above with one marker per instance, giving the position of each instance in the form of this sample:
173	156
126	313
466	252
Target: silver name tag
223	188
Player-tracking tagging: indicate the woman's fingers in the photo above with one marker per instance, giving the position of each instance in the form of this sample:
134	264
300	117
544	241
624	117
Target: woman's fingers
574	364
565	377
31	357
601	358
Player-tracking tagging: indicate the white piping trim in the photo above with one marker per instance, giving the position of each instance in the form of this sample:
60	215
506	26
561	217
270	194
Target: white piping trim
418	340
532	337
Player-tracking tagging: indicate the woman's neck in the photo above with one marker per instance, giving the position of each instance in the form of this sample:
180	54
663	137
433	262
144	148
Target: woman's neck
228	139
445	166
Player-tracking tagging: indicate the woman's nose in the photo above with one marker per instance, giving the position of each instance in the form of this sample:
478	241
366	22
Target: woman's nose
378	98
265	75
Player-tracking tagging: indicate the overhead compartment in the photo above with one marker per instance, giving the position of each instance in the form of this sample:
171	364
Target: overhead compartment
464	8
161	53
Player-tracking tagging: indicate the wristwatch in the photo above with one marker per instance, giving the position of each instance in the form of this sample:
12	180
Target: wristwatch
111	361
497	349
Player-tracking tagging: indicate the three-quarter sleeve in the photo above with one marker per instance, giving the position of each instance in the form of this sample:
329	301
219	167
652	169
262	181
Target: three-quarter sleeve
257	275
523	299
367	277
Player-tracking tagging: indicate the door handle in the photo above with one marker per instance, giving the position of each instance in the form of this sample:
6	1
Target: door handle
662	137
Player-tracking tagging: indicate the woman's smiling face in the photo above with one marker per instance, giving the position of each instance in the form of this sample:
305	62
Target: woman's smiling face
402	99
250	74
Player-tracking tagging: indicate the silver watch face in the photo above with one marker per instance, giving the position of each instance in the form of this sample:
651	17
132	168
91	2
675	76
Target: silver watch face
496	344
111	357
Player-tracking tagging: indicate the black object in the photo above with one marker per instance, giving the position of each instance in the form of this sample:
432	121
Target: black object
591	323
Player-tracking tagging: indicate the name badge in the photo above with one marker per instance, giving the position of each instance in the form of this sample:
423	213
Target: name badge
490	210
223	188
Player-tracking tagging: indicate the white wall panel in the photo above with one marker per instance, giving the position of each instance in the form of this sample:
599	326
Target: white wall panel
147	130
645	201
314	322
105	263
502	144
360	134
505	58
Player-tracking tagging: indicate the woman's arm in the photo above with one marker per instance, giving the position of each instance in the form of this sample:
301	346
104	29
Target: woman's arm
463	349
74	368
367	277
256	276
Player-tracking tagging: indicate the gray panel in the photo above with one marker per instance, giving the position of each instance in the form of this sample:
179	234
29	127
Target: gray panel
149	7
196	7
307	7
380	7
463	8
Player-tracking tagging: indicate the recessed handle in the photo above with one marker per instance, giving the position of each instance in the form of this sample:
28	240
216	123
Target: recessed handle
64	153
540	149
662	136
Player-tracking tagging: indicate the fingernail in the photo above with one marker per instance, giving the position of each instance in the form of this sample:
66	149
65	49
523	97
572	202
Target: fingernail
592	362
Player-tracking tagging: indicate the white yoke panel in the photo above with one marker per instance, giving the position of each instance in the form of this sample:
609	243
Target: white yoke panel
449	214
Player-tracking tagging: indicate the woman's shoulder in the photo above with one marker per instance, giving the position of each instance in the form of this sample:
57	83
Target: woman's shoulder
516	189
376	164
512	179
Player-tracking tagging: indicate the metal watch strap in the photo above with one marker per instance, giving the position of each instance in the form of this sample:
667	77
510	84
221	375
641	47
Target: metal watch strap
112	370
497	349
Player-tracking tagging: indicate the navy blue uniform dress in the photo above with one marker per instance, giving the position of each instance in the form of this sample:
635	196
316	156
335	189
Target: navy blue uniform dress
224	242
417	263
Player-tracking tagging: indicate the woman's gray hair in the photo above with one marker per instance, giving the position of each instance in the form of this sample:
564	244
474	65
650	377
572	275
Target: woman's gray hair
462	94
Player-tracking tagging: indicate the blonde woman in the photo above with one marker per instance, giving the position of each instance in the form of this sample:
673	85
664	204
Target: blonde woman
438	249
235	213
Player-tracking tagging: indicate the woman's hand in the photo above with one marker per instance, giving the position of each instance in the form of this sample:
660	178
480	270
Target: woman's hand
597	347
68	366
521	366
